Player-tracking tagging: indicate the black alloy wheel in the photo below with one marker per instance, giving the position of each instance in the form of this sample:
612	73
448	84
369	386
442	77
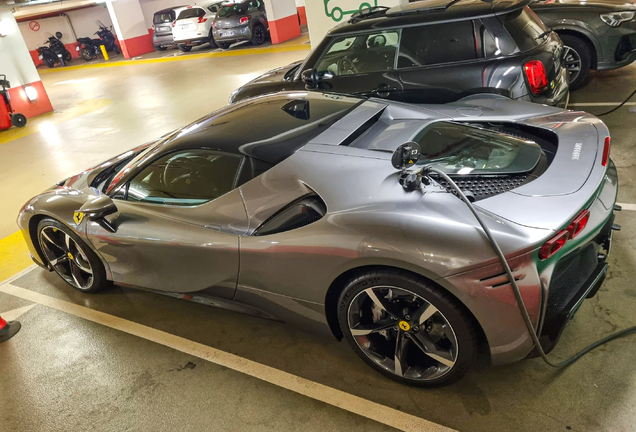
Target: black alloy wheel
67	56
407	328
70	257
87	54
258	35
577	59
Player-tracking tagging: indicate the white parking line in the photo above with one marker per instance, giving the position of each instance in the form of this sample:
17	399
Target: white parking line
631	207
354	404
600	104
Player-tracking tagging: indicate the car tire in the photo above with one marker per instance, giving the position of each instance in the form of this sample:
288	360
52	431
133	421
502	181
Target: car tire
67	56
211	41
161	48
437	346
577	52
223	45
87	54
70	257
185	48
258	35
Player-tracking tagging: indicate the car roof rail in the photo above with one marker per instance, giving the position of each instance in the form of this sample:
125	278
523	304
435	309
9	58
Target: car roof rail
365	13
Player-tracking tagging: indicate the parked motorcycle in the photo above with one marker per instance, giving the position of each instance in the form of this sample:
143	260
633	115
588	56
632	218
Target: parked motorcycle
107	37
89	48
55	51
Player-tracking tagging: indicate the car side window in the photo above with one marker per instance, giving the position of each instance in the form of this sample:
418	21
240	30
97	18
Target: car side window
185	178
367	53
253	6
213	8
437	44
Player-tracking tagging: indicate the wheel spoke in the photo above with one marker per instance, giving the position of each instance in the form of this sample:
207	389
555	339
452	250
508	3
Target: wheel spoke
67	241
382	305
50	240
362	330
425	312
82	265
400	354
75	273
59	260
430	350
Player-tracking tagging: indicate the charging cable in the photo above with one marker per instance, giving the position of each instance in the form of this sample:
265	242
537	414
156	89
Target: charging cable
616	108
423	175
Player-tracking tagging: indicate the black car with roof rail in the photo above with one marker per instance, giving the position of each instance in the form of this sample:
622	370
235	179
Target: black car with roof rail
434	51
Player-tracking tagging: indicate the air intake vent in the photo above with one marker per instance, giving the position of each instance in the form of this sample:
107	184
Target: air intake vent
484	187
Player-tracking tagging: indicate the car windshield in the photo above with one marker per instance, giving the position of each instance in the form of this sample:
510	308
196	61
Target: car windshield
190	13
460	149
121	172
232	9
163	17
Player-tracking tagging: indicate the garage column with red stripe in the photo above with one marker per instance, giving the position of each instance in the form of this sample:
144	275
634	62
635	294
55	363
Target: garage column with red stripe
130	27
282	16
27	93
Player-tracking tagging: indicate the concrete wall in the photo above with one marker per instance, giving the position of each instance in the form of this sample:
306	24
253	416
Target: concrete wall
83	20
16	63
322	15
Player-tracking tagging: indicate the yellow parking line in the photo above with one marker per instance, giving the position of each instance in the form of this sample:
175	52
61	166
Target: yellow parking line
66	111
241	52
14	255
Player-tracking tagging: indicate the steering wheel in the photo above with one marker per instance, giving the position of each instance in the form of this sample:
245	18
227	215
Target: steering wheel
184	172
346	66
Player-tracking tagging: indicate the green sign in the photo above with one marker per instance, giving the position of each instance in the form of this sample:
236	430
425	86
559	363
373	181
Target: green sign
335	12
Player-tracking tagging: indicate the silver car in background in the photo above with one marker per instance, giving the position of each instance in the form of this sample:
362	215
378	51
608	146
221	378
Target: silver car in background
300	189
243	21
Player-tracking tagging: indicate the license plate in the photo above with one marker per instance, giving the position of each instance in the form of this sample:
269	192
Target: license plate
227	33
161	29
76	48
40	57
59	55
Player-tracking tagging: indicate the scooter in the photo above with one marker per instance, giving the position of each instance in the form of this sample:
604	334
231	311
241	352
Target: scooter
55	51
107	38
89	48
7	116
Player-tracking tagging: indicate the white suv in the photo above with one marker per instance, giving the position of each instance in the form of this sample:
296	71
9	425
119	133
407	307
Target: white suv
193	25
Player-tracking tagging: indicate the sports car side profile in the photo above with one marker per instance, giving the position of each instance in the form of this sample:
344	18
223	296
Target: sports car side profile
287	206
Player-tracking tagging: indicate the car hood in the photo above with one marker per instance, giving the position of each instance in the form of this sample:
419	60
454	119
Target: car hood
275	75
604	4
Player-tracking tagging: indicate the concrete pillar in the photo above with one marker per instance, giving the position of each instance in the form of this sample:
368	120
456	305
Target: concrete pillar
302	15
322	15
130	27
282	17
27	93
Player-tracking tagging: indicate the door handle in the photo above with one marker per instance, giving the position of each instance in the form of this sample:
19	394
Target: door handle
213	227
383	90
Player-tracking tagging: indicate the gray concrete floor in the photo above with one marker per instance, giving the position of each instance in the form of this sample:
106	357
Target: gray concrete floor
64	373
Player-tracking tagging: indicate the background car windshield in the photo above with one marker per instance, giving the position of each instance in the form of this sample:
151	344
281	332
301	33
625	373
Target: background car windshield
366	53
185	178
191	13
460	149
525	27
232	9
164	17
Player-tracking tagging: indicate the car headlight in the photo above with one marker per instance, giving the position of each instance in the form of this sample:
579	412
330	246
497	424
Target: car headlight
614	19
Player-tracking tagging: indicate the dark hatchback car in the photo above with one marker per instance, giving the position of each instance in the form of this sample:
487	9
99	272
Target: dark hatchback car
245	21
435	51
597	34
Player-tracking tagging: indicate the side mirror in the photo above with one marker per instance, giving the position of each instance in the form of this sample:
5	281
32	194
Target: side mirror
58	35
406	155
312	78
96	210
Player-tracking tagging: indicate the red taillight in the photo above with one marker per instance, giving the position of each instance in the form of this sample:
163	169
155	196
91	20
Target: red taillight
244	20
578	224
606	151
537	76
174	23
202	20
553	245
214	24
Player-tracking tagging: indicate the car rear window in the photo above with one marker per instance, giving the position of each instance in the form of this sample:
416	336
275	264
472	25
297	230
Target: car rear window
163	17
460	149
191	13
232	9
436	44
525	27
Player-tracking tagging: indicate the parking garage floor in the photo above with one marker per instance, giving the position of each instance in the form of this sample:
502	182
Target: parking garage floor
131	360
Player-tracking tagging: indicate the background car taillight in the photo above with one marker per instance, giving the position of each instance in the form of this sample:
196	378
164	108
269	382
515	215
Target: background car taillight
553	245
537	77
243	20
578	224
173	23
202	20
606	151
214	24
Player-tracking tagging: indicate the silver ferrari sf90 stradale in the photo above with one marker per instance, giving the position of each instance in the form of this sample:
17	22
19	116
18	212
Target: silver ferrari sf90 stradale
288	207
